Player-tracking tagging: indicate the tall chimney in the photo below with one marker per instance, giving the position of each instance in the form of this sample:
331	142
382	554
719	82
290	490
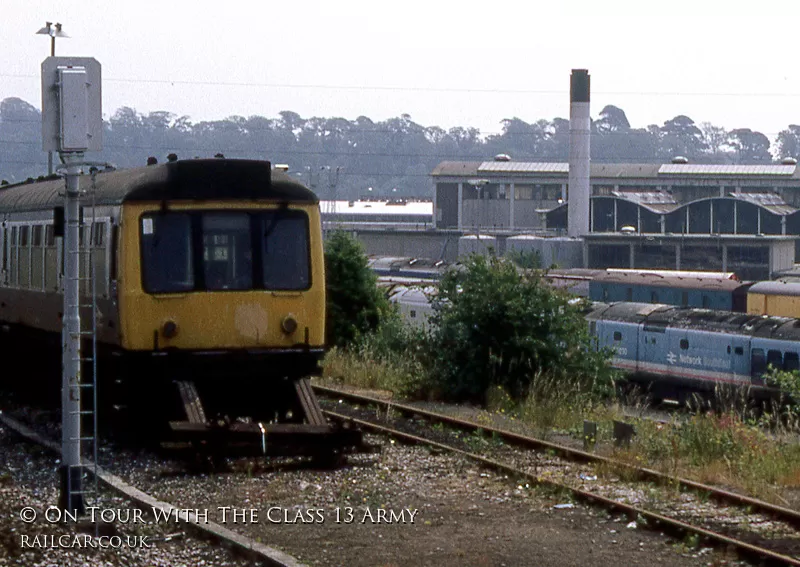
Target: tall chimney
579	130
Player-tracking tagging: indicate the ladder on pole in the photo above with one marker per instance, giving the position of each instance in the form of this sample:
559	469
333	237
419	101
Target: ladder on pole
87	286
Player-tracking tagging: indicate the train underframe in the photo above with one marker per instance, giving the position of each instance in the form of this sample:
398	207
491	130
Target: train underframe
696	392
220	403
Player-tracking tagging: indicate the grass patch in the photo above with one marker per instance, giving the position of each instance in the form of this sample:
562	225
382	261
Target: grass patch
729	447
360	369
719	449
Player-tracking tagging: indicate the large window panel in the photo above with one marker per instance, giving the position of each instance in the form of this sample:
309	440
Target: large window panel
167	253
285	250
227	251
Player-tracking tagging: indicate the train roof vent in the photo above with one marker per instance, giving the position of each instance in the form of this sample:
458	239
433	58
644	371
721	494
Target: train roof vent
680	159
789	161
502	157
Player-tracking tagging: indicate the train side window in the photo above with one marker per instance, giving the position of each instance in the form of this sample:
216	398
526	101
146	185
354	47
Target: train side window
729	349
757	361
617	336
684	344
413	313
775	358
605	294
791	361
36	235
49	235
13	236
706	302
653	297
23	236
738	350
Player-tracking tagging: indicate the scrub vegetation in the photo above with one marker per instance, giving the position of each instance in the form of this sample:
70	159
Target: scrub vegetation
503	339
493	326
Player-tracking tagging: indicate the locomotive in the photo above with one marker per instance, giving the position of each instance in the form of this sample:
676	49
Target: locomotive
674	349
695	349
208	275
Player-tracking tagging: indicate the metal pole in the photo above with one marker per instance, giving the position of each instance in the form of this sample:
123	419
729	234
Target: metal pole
50	153
71	470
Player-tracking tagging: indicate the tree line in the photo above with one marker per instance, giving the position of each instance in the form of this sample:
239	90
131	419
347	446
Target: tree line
362	158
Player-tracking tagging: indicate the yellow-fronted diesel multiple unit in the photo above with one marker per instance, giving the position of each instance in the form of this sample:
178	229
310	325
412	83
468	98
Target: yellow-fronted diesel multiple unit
209	271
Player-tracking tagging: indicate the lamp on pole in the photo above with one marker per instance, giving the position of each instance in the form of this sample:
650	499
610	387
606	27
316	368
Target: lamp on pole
53	32
478	184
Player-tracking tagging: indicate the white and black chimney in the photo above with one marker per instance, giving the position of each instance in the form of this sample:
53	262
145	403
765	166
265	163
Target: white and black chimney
579	132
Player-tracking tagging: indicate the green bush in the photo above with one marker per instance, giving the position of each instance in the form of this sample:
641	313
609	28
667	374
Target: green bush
493	326
355	305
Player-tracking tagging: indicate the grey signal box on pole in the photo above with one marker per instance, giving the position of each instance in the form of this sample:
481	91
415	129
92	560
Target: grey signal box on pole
72	117
72	123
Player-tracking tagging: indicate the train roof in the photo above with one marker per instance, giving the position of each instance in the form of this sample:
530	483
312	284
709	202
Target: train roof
776	288
681	273
411	295
663	279
189	180
659	315
625	311
572	273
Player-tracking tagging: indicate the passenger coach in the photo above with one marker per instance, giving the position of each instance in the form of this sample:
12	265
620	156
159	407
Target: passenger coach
208	270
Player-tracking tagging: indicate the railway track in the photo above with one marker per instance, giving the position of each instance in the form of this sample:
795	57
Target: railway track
253	551
754	528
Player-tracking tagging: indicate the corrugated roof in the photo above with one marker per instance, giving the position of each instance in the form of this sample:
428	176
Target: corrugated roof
456	168
624	169
523	167
656	201
706	169
770	201
614	170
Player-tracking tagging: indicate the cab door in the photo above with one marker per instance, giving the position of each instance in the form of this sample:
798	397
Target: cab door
653	348
739	353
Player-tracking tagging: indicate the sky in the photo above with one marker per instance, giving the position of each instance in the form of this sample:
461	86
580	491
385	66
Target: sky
444	63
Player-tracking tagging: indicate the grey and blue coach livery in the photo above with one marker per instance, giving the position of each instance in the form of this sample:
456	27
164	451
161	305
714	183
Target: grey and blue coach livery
698	348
